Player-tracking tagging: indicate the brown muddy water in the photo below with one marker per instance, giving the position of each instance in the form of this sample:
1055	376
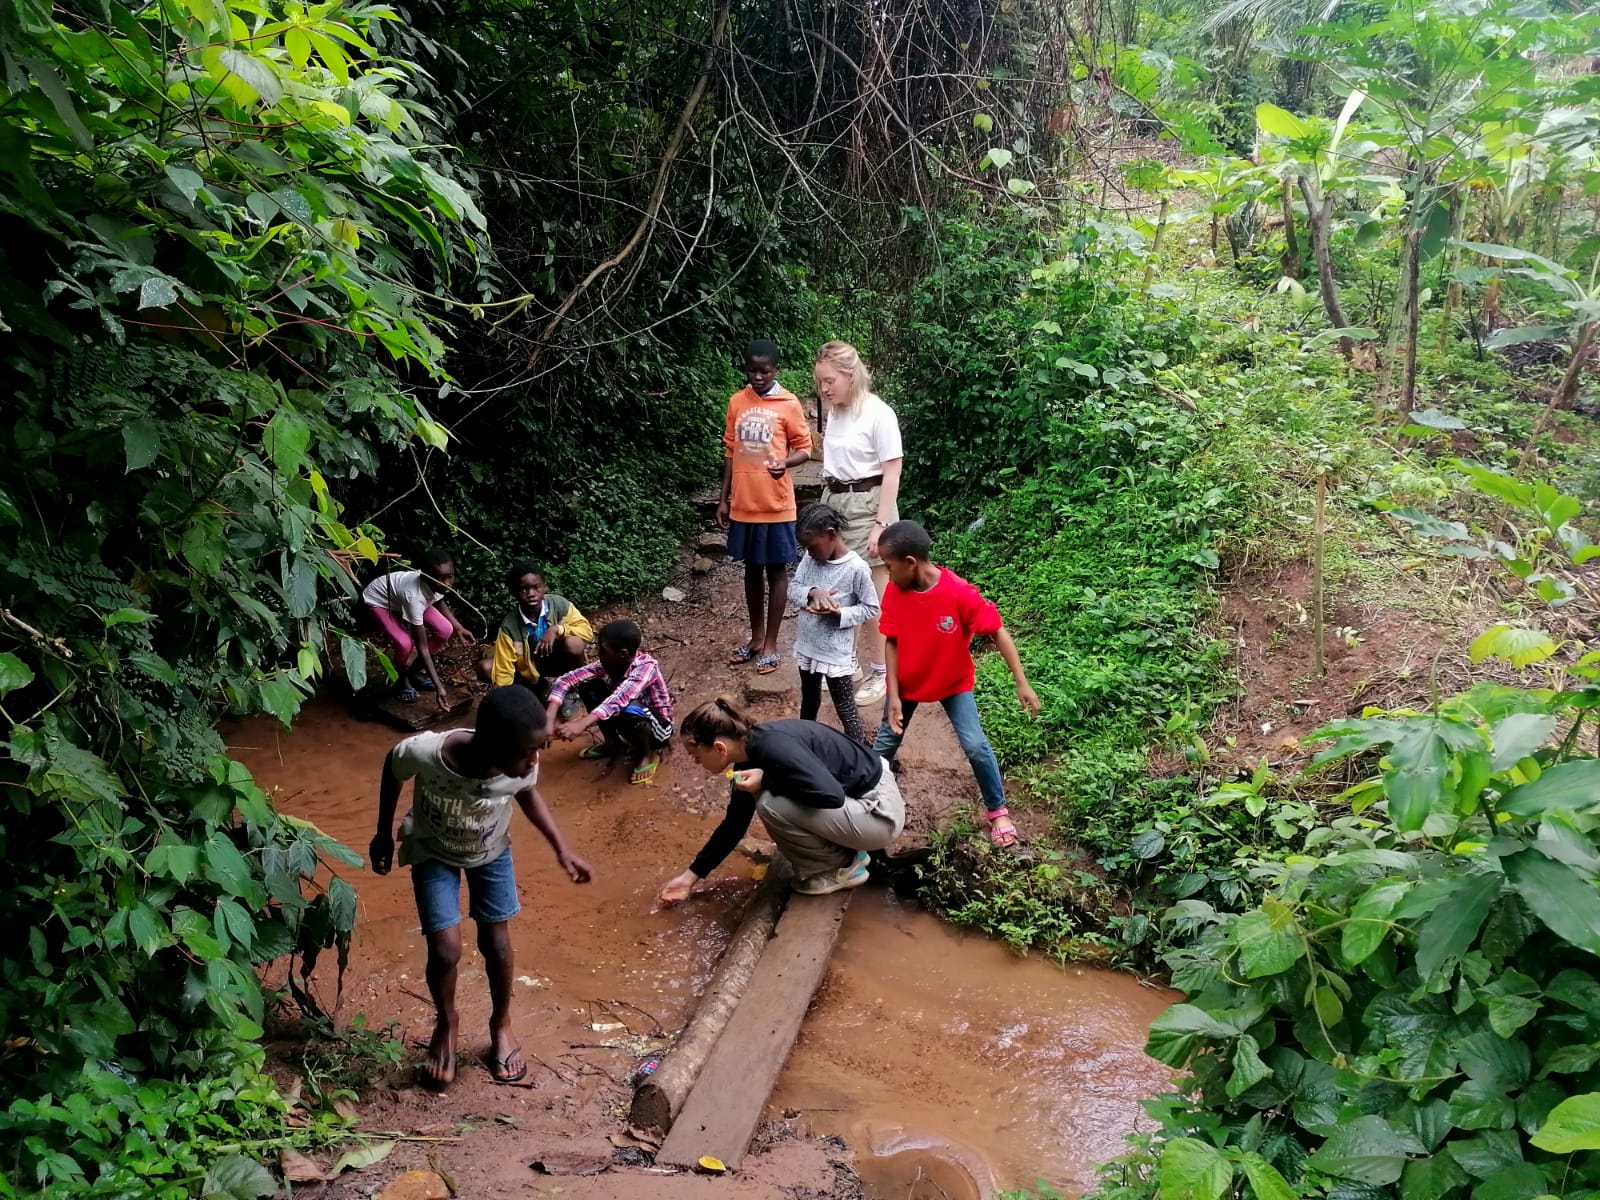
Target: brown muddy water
951	1066
942	1051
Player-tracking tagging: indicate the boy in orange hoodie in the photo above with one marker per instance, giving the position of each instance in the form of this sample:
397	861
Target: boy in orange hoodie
765	435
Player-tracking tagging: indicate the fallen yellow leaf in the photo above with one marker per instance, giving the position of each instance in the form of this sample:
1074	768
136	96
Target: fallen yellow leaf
714	1165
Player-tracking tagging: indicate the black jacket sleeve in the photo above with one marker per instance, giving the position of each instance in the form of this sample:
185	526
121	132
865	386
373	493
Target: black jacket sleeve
735	824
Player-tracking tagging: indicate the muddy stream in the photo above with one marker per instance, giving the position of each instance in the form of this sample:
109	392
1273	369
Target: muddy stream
949	1065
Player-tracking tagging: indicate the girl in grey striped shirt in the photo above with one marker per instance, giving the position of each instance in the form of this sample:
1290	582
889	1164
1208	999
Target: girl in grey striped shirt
833	588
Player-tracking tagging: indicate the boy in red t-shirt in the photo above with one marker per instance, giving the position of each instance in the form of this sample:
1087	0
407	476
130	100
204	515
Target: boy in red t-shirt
930	616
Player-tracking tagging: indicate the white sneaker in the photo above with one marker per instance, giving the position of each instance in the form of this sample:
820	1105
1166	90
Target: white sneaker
834	881
874	690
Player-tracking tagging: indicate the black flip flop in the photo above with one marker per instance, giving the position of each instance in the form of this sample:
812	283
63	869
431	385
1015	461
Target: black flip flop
499	1064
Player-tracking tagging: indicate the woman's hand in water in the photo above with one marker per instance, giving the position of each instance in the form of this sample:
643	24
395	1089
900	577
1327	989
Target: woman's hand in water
380	854
747	781
677	889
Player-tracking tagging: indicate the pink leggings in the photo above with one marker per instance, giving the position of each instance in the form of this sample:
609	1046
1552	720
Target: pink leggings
439	631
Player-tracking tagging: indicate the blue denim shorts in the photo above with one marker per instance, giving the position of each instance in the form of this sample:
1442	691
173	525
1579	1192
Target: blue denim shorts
491	893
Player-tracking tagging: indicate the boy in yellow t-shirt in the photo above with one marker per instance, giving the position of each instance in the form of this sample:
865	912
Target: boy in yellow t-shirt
542	638
765	435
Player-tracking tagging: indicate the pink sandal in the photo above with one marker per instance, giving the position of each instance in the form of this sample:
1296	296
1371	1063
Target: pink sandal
1004	837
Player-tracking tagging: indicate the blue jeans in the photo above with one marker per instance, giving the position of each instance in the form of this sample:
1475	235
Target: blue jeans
962	709
491	892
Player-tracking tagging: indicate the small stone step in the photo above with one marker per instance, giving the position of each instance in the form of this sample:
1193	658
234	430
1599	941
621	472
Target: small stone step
713	544
775	686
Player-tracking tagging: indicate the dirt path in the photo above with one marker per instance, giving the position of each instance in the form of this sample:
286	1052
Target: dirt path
936	1052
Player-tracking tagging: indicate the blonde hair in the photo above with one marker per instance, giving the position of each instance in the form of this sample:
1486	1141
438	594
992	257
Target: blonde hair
719	718
846	359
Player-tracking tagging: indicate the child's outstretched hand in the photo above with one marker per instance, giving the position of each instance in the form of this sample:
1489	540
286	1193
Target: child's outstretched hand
442	699
577	870
568	730
1029	698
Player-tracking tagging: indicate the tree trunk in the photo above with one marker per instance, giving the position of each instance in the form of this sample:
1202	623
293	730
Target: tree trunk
1452	265
1291	242
722	1112
1319	221
660	1098
1566	393
1411	284
1155	246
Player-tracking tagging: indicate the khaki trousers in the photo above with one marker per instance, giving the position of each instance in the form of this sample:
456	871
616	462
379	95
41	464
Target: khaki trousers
819	840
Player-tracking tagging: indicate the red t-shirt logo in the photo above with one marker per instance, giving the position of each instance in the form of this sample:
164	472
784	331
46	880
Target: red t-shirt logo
947	624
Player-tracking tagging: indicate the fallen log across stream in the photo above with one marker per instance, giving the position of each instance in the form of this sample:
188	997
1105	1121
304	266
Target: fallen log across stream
660	1098
723	1108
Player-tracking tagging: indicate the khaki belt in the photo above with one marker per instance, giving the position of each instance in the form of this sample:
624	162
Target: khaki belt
852	485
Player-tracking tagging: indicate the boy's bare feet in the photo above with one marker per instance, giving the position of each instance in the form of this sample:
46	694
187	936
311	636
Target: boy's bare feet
439	1070
506	1064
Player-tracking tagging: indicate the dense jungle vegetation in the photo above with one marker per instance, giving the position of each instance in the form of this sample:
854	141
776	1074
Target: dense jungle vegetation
1164	291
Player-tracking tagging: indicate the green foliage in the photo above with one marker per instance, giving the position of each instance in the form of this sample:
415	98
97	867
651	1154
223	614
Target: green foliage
340	1064
220	219
1101	526
1411	1009
1097	536
1053	903
1015	342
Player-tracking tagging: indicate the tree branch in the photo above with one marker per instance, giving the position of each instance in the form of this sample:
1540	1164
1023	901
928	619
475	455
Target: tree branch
658	193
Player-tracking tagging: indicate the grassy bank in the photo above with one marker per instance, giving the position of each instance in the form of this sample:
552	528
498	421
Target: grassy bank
1112	548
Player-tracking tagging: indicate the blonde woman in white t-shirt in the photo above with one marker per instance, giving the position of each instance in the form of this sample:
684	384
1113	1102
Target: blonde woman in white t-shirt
861	460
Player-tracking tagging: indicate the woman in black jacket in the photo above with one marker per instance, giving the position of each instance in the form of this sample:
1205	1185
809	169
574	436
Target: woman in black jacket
825	799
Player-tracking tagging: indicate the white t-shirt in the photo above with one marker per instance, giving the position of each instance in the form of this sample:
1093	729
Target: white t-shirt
856	445
406	594
454	820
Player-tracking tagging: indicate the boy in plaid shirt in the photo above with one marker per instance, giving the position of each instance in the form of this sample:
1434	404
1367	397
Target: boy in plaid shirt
627	698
